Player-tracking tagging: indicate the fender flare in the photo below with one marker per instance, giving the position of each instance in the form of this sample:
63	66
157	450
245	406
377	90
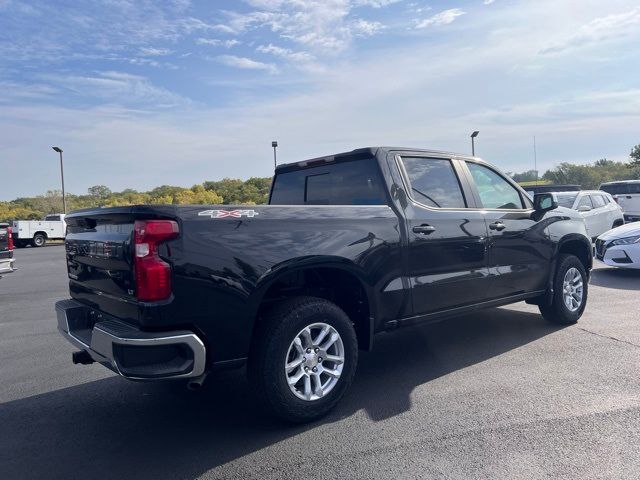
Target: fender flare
277	271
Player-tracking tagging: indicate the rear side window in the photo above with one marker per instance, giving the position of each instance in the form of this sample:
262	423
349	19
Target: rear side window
347	183
494	190
598	201
433	182
585	202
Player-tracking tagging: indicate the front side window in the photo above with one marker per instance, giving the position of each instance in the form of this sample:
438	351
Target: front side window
566	199
495	191
433	182
357	182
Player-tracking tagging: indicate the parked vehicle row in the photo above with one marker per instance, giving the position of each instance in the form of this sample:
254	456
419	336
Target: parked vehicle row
350	245
6	249
37	232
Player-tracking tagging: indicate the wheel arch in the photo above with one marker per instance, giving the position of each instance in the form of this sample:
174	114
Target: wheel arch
336	279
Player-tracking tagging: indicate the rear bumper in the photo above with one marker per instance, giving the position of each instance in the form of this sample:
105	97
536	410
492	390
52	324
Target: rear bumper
129	351
6	265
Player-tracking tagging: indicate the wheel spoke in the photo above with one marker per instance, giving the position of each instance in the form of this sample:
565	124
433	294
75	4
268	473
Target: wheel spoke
307	387
317	389
294	364
334	337
323	333
332	373
297	343
306	334
296	378
334	359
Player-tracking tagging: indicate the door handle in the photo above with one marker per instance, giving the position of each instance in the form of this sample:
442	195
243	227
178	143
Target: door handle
497	226
424	229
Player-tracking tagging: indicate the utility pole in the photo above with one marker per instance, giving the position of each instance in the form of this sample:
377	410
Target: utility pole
64	201
274	144
535	159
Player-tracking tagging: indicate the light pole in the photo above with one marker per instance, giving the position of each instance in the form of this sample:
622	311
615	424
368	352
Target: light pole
274	144
473	142
64	201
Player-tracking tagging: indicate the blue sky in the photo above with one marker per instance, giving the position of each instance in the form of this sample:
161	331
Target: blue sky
143	93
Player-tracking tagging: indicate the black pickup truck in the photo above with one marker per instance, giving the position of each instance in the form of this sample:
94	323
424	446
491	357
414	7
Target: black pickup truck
350	245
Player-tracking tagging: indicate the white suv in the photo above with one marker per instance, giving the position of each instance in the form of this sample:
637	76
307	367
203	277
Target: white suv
599	210
627	194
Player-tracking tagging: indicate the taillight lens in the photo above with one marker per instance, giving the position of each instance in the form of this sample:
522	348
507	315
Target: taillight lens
10	236
153	276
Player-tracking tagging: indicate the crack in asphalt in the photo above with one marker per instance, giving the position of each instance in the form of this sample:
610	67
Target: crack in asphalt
609	337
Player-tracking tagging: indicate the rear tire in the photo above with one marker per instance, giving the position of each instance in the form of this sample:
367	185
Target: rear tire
617	223
39	240
570	290
283	351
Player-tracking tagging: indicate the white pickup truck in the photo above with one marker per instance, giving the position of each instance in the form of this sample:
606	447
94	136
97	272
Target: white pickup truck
37	232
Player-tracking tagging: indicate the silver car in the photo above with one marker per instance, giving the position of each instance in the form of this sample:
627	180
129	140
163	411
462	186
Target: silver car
600	211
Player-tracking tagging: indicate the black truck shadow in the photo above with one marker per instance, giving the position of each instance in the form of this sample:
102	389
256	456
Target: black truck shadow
617	278
113	428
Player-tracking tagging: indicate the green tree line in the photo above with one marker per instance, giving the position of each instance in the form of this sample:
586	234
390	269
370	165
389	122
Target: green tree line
253	191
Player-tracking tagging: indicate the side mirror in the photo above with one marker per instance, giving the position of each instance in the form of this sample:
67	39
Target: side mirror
543	202
584	208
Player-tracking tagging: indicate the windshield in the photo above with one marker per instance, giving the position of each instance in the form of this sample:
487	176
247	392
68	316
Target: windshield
566	199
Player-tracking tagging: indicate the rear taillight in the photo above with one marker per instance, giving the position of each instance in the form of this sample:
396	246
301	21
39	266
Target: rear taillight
153	276
10	236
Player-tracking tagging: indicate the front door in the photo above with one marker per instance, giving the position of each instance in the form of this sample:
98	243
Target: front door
519	251
447	240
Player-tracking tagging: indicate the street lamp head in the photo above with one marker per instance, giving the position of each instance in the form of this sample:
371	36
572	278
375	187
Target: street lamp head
475	134
57	149
274	144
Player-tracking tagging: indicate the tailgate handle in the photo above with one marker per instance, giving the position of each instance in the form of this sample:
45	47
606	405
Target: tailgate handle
424	229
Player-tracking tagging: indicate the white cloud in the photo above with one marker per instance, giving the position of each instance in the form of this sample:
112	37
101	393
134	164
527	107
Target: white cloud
365	28
154	52
326	26
376	3
216	42
246	63
118	87
599	30
443	18
285	53
488	2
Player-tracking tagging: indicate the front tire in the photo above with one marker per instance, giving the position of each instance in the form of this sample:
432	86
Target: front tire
570	289
303	358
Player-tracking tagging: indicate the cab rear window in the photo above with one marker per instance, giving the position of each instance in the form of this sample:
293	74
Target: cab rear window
357	182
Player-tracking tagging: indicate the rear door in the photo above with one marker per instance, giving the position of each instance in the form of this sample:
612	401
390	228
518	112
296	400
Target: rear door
446	236
584	205
519	252
603	214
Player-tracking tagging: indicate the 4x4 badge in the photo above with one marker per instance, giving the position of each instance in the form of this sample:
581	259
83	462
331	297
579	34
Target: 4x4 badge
228	213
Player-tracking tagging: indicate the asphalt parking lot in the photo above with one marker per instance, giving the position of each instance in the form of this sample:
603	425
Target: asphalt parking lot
500	394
